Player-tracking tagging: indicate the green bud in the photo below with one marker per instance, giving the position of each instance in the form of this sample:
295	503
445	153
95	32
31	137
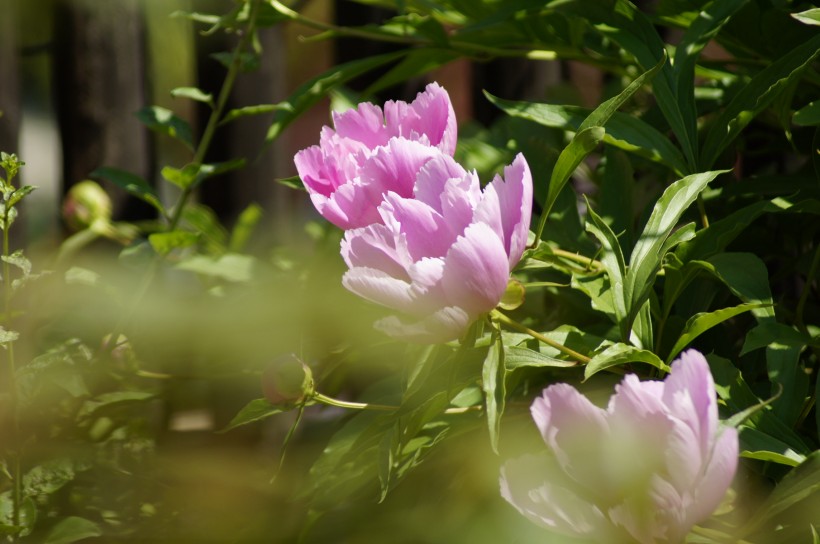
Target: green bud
287	381
85	204
513	296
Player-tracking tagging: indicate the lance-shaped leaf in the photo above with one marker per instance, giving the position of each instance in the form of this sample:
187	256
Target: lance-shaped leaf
658	238
132	183
493	378
756	96
255	410
310	92
621	354
623	131
702	322
164	121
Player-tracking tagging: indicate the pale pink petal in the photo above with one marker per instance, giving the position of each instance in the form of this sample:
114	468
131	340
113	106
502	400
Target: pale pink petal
394	167
515	195
430	114
364	124
528	483
475	270
689	392
375	246
718	475
433	177
444	325
379	287
574	429
425	232
349	207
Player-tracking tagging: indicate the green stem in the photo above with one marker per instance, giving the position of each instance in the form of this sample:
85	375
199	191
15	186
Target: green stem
199	156
216	114
330	401
465	48
586	261
540	337
16	472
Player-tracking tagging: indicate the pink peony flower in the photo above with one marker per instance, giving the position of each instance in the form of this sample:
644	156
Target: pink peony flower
646	469
335	172
443	257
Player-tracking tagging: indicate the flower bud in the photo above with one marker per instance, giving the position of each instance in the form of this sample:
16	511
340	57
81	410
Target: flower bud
85	204
287	380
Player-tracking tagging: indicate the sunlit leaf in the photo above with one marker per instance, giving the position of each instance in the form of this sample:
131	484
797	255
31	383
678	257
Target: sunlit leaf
255	410
621	354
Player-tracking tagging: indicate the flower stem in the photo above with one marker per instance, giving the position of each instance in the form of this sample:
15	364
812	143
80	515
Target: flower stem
586	261
330	401
16	469
540	337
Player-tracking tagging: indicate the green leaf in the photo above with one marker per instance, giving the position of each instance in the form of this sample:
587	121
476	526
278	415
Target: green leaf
19	260
738	396
699	33
164	121
621	354
108	400
714	238
756	96
255	410
191	175
770	333
518	357
757	445
808	115
194	94
422	61
747	277
493	377
20	193
294	182
622	22
165	242
230	266
246	111
616	196
244	227
310	92
809	17
7	337
702	322
786	372
248	61
613	260
623	131
132	183
72	529
801	484
657	239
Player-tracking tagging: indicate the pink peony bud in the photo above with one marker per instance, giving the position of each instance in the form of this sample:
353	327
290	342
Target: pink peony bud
335	172
444	257
646	469
85	204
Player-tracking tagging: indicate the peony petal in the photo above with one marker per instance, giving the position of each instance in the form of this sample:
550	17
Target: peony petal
430	115
379	287
376	246
424	229
718	476
574	429
433	178
515	195
529	484
394	167
689	393
475	270
507	207
444	325
363	124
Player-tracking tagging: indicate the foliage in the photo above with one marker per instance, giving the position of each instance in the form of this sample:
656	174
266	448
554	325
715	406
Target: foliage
696	227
